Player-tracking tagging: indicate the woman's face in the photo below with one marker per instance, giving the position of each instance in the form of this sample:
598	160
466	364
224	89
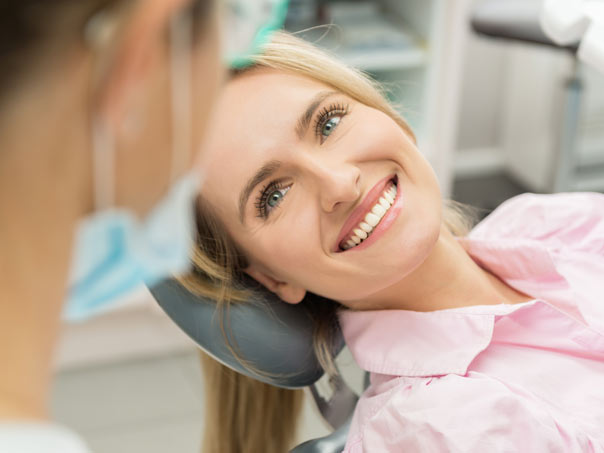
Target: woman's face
295	171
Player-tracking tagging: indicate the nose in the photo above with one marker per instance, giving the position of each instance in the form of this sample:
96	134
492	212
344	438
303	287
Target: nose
337	183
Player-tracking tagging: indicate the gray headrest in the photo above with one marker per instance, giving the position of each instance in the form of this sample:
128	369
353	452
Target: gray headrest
273	336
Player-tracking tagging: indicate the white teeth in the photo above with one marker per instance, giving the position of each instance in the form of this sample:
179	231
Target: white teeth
378	210
360	233
372	219
366	227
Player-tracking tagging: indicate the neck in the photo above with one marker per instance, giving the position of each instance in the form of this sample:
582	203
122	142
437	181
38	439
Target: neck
43	163
447	278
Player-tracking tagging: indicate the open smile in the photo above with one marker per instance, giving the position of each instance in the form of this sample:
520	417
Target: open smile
368	217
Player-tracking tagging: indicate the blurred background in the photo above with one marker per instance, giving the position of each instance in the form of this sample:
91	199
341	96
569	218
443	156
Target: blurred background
495	116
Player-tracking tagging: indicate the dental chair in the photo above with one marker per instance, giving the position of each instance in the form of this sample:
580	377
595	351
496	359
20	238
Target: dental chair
519	21
273	336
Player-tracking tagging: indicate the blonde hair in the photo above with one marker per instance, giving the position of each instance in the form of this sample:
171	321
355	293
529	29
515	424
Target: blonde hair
218	264
244	415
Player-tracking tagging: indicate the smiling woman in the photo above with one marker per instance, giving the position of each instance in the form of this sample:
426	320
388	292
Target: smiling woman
315	184
308	100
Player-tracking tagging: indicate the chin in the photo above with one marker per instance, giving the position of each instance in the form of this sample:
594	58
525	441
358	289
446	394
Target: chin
395	260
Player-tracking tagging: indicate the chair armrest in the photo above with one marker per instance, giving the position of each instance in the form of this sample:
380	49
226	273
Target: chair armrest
333	443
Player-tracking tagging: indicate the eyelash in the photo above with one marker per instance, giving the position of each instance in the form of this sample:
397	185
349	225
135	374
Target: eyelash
262	199
333	110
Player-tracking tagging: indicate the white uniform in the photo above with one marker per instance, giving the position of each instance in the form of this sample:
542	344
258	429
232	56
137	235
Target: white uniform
38	437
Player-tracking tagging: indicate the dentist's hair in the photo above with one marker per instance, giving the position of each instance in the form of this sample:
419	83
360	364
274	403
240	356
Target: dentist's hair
240	410
36	34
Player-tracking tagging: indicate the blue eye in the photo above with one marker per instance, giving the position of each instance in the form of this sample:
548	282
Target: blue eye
275	198
330	125
270	198
329	118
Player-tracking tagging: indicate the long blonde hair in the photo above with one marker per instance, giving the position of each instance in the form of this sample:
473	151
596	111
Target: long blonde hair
232	418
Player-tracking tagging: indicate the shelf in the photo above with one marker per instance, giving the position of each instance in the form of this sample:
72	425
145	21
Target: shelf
135	327
383	59
361	35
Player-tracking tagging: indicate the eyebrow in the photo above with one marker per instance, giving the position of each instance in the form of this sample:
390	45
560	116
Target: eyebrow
264	172
304	120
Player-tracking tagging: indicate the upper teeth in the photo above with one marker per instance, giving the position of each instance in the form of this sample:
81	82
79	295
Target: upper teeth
372	218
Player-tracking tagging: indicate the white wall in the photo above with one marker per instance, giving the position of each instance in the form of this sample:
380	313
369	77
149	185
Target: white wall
483	77
509	112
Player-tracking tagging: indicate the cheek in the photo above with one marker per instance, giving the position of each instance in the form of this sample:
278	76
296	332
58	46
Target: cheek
418	237
377	136
290	247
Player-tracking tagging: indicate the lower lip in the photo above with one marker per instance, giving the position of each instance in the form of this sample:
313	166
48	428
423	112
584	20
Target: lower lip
385	223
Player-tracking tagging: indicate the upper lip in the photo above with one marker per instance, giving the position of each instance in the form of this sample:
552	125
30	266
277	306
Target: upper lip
359	213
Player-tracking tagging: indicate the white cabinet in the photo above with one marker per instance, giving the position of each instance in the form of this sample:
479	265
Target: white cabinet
532	115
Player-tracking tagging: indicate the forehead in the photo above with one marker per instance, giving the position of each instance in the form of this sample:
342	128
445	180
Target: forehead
254	122
259	99
269	85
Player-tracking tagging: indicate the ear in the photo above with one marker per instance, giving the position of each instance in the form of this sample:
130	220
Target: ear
136	51
286	291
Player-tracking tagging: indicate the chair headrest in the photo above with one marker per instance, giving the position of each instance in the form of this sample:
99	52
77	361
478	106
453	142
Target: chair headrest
516	20
273	336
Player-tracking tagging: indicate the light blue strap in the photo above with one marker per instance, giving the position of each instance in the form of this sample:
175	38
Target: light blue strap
267	25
